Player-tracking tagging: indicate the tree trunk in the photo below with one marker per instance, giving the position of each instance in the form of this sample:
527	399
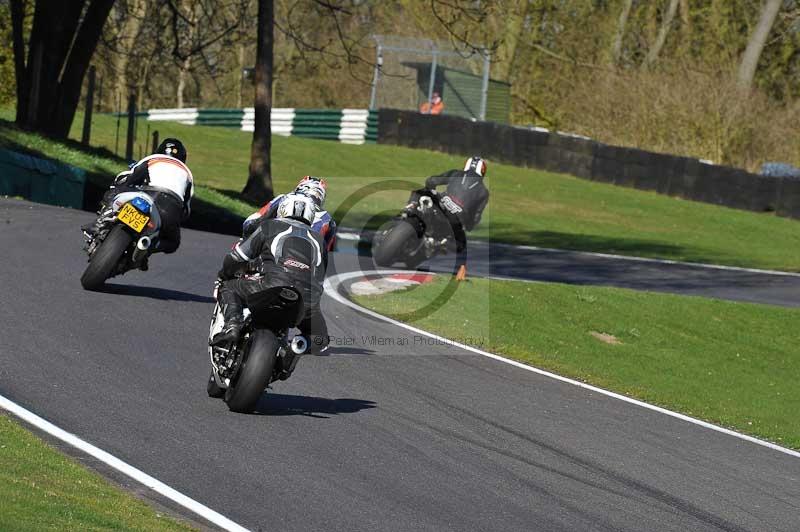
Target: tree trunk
18	29
666	23
512	33
69	87
54	26
259	183
747	68
141	82
240	77
182	70
62	41
127	41
619	34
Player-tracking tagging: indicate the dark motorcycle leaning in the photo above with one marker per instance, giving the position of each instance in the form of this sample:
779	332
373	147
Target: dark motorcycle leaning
417	234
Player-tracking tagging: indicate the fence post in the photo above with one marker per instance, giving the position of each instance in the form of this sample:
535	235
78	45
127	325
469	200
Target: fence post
485	84
87	114
155	141
131	127
432	79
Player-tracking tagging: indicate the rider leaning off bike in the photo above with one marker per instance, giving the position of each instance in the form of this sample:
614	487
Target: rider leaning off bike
315	188
462	202
281	251
165	177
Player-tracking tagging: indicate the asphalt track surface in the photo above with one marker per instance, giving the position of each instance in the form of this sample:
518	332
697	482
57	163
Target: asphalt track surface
575	267
368	438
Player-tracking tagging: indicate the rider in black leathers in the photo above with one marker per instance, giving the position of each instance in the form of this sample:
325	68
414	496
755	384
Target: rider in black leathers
282	251
462	202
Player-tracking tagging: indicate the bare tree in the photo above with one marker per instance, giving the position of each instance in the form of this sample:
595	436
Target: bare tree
666	23
131	17
259	183
619	34
755	45
197	27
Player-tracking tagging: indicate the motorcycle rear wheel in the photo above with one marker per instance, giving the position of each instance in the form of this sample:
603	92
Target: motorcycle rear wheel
254	375
106	258
388	248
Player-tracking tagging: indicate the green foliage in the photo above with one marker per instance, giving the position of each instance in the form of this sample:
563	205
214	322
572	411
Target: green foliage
8	84
686	103
732	364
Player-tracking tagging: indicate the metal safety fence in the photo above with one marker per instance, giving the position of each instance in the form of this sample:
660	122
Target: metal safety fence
352	126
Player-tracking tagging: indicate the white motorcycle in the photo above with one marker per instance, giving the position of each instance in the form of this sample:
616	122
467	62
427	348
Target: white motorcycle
125	233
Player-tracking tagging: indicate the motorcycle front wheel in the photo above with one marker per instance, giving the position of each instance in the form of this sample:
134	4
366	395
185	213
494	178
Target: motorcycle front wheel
106	258
255	372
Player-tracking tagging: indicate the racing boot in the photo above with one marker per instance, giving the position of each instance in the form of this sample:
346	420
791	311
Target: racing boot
229	334
91	229
232	312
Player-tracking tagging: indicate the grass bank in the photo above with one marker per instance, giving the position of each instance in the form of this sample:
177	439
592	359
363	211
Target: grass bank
733	364
41	489
526	207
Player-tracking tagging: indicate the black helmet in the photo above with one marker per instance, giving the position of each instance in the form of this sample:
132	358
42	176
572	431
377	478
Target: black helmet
173	148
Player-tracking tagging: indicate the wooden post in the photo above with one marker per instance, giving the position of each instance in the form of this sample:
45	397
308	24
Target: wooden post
119	117
155	141
87	113
131	127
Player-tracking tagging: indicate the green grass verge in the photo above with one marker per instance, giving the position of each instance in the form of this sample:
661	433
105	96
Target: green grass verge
41	489
732	364
527	206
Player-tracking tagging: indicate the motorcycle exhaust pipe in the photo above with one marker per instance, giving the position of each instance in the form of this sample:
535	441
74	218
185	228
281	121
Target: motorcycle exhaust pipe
141	248
299	345
425	202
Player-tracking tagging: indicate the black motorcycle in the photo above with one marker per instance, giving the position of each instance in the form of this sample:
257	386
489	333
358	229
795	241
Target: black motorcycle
125	231
417	234
242	370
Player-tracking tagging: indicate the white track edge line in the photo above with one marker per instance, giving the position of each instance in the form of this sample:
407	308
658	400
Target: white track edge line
332	291
353	235
123	467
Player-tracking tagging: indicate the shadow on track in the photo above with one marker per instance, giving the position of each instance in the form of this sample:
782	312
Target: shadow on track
275	404
347	350
164	294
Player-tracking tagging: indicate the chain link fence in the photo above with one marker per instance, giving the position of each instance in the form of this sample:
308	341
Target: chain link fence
409	70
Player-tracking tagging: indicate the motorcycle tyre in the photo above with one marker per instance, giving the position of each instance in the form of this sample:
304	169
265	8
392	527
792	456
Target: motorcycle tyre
106	258
253	377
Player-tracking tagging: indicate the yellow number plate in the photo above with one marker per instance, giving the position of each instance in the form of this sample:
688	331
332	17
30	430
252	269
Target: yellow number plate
132	217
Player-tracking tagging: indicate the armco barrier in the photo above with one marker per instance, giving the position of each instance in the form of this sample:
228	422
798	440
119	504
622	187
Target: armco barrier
353	126
672	175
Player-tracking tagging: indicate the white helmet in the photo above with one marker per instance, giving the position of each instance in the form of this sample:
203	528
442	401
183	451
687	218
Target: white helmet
297	207
476	164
